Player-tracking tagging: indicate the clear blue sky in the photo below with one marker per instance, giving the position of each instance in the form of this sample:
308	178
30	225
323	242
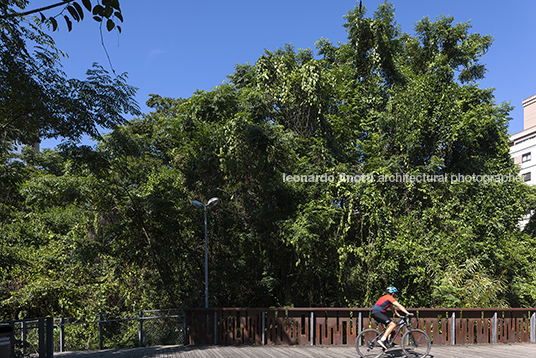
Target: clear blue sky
174	47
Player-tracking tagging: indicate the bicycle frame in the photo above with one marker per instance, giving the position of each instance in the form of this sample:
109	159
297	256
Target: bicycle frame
404	322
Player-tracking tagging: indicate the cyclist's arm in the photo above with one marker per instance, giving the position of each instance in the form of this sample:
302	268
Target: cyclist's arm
400	307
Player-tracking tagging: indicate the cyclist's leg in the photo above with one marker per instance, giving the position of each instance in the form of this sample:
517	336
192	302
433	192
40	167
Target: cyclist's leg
383	318
390	328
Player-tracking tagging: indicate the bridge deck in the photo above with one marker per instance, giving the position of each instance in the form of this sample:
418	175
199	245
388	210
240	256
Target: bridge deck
519	350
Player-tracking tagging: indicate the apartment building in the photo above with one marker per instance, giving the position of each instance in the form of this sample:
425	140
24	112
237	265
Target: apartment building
523	144
523	149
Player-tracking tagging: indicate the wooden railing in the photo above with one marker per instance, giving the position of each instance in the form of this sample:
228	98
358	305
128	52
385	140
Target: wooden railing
340	326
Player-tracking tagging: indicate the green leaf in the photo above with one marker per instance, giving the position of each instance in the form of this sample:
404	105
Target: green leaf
115	5
110	25
119	16
111	3
119	28
97	18
87	4
43	18
69	23
79	10
108	11
73	13
98	10
54	23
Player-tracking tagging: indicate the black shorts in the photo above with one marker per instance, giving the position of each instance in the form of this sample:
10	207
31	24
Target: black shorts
381	317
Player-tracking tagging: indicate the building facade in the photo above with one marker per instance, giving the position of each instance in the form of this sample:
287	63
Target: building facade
523	148
523	144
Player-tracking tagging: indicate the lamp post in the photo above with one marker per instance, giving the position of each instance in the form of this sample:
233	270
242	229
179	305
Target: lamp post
212	201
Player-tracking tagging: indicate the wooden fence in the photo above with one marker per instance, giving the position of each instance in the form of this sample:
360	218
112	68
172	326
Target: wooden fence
340	326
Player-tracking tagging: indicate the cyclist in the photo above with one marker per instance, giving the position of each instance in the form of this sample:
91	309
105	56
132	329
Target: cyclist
382	305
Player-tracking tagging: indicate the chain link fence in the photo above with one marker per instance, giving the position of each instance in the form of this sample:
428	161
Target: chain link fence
111	330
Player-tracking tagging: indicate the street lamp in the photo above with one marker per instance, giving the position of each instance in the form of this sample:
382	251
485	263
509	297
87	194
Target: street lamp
212	201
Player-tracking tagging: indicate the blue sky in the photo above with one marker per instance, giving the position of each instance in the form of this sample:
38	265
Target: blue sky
174	47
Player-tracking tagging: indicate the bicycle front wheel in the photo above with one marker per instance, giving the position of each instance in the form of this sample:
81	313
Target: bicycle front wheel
366	343
416	344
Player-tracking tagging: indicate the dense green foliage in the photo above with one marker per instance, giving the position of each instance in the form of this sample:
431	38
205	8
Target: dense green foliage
112	228
38	101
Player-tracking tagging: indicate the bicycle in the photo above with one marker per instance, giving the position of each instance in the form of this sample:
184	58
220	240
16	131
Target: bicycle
414	342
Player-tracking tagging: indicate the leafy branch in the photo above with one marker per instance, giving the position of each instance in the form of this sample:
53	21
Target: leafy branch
108	11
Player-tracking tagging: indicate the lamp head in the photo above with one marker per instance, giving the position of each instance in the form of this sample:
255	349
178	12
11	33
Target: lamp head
197	203
213	201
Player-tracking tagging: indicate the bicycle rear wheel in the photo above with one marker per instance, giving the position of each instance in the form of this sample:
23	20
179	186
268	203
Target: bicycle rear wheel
415	343
366	344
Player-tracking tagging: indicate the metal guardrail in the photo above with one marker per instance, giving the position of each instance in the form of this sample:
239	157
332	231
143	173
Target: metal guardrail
340	326
44	336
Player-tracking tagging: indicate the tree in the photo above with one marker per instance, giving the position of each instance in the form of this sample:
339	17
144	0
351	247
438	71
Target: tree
38	101
371	163
427	123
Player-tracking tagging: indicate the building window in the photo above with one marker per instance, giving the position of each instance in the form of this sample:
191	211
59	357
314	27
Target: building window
525	157
526	177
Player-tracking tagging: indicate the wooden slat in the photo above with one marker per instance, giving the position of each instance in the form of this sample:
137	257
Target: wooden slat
304	327
270	328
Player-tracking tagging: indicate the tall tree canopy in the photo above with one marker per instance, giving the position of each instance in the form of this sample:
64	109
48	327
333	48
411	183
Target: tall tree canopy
37	100
436	215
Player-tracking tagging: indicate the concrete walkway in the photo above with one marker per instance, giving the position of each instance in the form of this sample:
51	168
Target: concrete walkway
520	350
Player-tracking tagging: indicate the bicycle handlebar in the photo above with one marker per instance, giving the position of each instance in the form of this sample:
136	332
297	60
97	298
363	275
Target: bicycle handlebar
404	320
